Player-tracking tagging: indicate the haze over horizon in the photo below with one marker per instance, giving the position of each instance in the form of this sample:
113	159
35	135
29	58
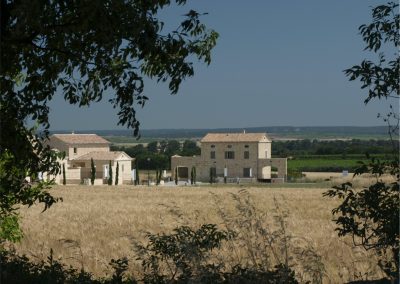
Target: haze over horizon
275	64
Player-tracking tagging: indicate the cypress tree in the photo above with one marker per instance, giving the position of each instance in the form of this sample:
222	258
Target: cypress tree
137	181
116	174
64	175
176	175
194	175
157	182
92	171
109	182
191	176
158	176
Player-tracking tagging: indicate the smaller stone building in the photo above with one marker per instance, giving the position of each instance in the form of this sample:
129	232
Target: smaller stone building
243	156
80	149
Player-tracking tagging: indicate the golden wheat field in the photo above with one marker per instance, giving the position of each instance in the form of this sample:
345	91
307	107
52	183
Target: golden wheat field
95	224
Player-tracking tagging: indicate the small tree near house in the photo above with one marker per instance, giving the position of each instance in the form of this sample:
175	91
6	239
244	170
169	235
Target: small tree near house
64	175
158	176
176	175
137	181
116	174
109	182
92	172
193	175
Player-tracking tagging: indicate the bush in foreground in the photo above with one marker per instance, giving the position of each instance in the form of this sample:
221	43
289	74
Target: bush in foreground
180	257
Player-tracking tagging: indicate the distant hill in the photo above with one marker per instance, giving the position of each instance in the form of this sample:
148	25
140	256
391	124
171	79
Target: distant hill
277	132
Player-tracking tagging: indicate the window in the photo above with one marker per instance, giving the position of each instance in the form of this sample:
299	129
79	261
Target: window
229	146
212	154
246	154
246	172
75	150
122	168
212	146
229	155
246	146
266	154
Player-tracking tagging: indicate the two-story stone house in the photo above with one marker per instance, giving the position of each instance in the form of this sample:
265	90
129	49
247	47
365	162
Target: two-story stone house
234	155
80	149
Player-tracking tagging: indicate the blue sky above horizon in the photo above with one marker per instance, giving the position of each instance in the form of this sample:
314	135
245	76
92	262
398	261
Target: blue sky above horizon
276	63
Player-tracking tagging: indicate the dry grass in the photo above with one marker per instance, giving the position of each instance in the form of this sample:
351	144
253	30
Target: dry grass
95	224
337	178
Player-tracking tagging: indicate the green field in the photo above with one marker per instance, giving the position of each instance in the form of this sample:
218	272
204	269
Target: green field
322	165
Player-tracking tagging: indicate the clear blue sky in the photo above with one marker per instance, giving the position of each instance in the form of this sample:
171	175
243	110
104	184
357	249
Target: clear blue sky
277	63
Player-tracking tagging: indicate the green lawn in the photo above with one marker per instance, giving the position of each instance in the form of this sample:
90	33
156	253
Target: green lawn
322	165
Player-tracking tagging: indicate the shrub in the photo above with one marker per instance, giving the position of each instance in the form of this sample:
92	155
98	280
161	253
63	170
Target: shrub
92	171
371	215
9	229
18	269
185	257
137	179
109	181
116	174
194	175
64	175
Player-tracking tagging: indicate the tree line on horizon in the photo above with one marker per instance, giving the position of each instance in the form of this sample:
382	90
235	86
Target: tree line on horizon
157	154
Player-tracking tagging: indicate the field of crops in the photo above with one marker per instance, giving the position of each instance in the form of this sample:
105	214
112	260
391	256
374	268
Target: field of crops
95	224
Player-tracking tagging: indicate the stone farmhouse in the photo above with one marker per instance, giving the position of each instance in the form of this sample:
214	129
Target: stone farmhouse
80	149
236	156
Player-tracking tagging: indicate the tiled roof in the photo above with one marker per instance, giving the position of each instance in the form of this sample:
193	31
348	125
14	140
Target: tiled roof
103	156
235	137
80	138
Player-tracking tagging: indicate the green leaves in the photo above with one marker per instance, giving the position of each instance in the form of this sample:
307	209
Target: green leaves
9	229
381	78
384	27
184	252
86	49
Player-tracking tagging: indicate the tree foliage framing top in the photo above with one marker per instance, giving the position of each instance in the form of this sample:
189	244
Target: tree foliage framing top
84	50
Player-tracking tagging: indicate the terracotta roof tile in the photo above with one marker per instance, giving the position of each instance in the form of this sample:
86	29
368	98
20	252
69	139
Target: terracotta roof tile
103	156
235	137
80	138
